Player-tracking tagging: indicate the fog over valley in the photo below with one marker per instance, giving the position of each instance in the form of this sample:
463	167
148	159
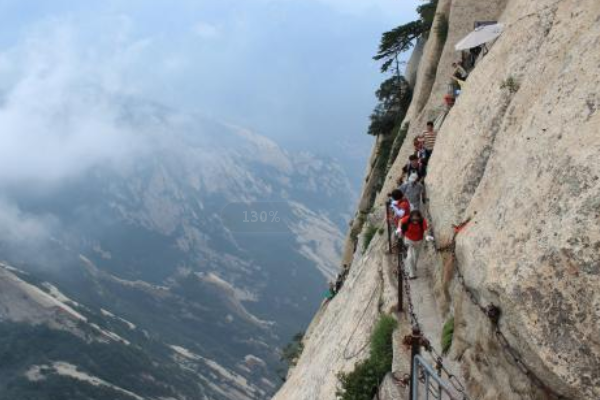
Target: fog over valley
176	182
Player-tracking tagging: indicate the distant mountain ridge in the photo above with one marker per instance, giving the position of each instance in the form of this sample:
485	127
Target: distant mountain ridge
144	270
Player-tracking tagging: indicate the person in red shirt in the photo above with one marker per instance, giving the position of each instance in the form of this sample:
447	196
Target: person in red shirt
413	228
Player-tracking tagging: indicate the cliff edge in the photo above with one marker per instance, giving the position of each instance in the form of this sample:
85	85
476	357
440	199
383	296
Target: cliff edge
517	162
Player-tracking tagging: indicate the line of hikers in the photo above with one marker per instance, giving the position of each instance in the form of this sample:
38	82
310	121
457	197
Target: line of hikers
409	197
406	202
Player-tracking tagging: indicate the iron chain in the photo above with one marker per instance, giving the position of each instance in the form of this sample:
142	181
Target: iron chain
425	343
492	312
414	321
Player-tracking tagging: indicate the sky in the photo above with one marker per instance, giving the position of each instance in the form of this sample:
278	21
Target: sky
297	71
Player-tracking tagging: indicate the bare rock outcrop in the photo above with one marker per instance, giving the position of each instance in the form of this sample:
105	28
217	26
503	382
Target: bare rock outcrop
517	157
339	336
525	167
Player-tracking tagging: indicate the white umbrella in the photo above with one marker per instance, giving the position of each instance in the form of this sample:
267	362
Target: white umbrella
479	36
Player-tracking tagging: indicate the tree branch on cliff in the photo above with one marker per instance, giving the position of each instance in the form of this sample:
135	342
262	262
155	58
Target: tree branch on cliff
402	38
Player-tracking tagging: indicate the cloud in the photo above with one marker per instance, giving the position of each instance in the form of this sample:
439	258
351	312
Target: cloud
59	117
19	227
205	30
28	236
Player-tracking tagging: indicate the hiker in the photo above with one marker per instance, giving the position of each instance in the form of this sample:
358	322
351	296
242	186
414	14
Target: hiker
414	192
400	206
418	145
474	53
414	166
424	163
459	71
339	282
413	229
429	138
330	293
345	271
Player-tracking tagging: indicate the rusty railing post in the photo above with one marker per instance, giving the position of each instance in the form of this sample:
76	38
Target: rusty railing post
388	204
415	349
414	340
400	275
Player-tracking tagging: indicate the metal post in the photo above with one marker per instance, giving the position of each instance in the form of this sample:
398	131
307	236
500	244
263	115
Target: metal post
400	276
438	368
388	204
415	344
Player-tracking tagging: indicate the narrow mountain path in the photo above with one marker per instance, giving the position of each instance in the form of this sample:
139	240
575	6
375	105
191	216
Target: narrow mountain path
430	320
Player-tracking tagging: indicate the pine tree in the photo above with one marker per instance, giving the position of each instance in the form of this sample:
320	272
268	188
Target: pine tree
402	38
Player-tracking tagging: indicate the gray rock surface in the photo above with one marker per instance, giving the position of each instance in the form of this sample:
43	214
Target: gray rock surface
412	66
524	167
340	336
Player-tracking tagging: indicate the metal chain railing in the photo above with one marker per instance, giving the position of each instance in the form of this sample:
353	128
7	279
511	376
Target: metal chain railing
493	313
418	339
405	282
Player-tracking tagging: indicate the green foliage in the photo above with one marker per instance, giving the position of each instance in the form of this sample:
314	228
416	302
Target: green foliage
511	84
397	41
382	121
357	226
427	12
392	93
362	383
442	27
292	351
369	234
381	231
397	145
381	165
447	335
402	38
383	156
394	97
382	351
129	367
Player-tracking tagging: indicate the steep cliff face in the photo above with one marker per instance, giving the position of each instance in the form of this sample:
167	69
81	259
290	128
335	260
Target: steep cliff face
522	166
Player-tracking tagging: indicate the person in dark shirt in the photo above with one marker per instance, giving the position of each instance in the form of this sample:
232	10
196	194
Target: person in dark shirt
339	282
459	71
414	166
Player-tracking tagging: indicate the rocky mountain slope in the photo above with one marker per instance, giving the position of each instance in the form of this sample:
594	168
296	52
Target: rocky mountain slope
519	163
155	280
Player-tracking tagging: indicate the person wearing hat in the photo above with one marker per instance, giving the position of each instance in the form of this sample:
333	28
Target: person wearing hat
414	192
